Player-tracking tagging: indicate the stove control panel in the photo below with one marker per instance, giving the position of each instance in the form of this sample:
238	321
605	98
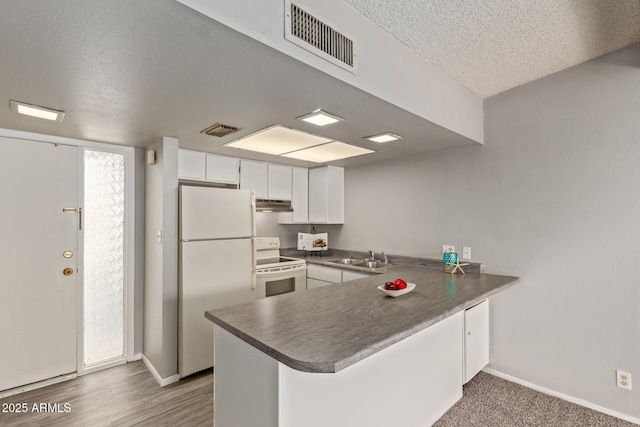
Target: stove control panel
265	243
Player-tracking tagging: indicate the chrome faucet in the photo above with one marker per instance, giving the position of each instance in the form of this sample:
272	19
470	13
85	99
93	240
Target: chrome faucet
385	257
372	255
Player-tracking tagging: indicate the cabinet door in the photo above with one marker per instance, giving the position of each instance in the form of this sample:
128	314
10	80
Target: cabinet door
326	195
315	283
223	169
279	182
476	339
327	274
300	196
352	275
191	164
253	176
299	199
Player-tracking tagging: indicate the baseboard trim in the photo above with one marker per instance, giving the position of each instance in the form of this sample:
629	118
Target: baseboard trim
135	357
35	386
161	381
563	396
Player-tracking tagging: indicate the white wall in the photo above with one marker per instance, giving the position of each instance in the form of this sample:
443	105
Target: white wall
267	226
552	197
417	86
161	260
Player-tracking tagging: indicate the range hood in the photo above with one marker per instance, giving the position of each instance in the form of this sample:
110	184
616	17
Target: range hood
270	205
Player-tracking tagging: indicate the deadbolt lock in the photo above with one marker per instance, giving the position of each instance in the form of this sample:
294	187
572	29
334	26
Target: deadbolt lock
67	254
67	271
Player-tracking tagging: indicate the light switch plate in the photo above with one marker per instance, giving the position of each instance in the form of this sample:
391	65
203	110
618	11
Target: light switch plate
466	252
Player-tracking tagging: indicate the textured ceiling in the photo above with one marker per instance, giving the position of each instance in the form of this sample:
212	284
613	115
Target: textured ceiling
494	45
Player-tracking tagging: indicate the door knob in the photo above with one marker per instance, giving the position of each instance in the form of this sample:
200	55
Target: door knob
67	271
67	254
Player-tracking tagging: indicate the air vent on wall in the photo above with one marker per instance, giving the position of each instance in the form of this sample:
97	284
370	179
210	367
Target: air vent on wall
219	130
317	37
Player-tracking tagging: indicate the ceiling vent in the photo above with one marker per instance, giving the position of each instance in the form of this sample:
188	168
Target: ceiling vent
310	33
219	130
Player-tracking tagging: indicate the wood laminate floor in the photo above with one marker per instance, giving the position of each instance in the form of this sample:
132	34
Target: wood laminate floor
126	395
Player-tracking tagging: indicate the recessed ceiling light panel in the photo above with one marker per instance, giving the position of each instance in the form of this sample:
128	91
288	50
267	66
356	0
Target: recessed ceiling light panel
384	137
36	111
277	140
320	118
328	152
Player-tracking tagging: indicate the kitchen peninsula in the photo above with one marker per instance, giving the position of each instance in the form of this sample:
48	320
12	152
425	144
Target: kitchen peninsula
347	355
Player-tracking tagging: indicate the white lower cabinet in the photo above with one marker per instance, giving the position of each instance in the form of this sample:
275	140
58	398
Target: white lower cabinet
320	275
352	275
476	339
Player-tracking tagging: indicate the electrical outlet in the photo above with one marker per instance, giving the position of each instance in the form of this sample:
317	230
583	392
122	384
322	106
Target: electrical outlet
448	248
623	379
466	252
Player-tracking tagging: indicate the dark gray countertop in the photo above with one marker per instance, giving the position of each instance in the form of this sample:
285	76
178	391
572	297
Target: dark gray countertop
330	328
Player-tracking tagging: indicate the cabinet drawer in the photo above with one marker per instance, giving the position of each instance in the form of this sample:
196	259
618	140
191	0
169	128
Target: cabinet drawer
326	274
352	275
315	283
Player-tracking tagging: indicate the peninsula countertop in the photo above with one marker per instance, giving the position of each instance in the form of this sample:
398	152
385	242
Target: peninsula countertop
325	330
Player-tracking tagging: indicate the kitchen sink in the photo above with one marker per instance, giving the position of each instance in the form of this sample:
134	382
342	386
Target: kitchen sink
375	264
347	261
361	263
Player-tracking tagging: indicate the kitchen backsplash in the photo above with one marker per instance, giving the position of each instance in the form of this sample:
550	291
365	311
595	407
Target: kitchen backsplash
473	267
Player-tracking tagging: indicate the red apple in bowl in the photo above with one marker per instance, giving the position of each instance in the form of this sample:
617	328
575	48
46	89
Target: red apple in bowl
391	286
400	284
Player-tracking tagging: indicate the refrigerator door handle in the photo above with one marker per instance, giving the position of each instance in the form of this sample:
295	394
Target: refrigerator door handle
253	262
253	214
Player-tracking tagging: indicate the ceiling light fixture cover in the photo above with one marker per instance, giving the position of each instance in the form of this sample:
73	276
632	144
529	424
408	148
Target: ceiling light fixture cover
328	152
384	137
320	118
36	111
277	140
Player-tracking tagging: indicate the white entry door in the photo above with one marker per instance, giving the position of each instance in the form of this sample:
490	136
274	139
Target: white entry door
38	261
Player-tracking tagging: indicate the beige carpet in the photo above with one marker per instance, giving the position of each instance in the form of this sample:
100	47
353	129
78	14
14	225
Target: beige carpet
492	401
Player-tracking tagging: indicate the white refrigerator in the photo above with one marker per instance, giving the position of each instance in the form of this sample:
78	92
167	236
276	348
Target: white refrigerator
217	265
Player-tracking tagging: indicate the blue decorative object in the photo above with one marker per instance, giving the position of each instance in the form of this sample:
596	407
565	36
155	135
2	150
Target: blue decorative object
450	260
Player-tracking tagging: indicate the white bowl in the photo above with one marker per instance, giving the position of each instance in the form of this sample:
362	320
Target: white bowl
409	288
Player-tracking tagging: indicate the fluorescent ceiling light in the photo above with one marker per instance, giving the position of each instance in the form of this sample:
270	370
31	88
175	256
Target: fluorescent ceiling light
36	111
320	118
328	152
278	140
384	137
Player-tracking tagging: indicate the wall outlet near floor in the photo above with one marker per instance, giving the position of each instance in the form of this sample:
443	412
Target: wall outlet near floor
466	252
448	248
623	379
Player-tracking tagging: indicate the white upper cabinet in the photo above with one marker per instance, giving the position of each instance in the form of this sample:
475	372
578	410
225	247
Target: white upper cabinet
223	169
299	198
191	164
197	165
326	195
253	176
279	182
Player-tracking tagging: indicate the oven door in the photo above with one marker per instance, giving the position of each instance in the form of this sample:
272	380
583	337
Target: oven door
281	280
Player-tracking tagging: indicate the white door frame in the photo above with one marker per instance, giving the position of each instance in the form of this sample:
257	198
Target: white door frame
129	155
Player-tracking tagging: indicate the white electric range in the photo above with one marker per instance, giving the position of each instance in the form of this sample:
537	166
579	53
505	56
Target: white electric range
275	274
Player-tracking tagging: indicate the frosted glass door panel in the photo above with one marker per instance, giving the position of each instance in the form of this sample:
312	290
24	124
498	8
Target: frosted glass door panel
104	256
